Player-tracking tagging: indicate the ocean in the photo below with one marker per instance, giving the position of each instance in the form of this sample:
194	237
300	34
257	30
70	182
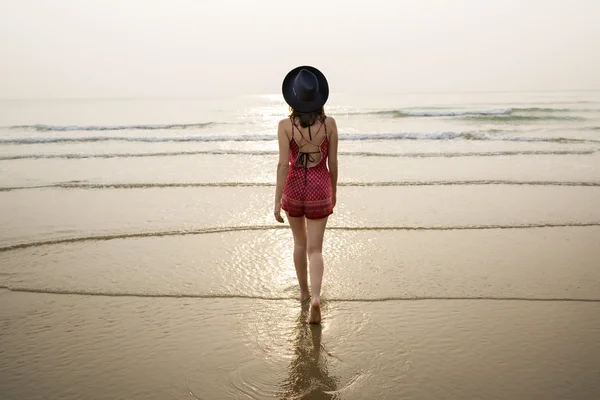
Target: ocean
139	257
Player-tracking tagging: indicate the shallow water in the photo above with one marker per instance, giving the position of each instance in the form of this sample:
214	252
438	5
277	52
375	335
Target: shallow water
235	168
100	347
139	257
529	263
55	213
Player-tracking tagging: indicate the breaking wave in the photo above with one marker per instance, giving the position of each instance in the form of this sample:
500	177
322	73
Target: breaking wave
150	185
512	113
145	127
446	113
274	153
491	135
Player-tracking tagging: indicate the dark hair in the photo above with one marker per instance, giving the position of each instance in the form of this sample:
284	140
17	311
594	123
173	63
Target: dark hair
307	119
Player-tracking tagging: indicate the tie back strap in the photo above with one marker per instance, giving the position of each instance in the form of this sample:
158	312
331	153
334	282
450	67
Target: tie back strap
304	159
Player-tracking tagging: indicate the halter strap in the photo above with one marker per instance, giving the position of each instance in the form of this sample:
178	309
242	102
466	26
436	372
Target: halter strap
309	132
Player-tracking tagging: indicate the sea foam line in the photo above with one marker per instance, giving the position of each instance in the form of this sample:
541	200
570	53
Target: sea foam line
445	113
273	153
448	111
68	128
225	229
516	113
228	296
150	185
509	113
470	135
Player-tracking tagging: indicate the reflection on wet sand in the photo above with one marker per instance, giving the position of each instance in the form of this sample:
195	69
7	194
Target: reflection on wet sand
308	376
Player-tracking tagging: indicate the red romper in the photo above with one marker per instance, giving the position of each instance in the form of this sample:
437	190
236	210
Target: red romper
307	190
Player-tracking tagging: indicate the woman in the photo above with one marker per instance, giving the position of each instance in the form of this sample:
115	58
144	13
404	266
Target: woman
306	188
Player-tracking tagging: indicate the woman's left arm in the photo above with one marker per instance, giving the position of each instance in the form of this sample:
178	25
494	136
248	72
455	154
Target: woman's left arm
282	167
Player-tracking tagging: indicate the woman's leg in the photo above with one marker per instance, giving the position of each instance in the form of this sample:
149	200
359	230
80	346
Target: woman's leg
316	231
298	225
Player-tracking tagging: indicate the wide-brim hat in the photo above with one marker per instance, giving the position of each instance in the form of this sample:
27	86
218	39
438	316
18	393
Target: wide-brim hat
305	89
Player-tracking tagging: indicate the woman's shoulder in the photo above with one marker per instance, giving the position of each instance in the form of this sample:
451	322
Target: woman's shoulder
285	122
330	122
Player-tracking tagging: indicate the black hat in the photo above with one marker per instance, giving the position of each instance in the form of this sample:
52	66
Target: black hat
305	89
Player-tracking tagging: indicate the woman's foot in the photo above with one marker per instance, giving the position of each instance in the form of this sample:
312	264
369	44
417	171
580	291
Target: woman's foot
315	313
304	295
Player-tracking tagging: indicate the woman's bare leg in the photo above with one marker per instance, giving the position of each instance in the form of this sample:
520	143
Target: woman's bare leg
316	231
298	225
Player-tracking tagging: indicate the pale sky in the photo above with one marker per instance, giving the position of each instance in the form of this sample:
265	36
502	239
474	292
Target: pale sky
197	48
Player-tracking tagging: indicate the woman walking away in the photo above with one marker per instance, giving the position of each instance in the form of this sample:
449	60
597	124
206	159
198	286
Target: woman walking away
307	174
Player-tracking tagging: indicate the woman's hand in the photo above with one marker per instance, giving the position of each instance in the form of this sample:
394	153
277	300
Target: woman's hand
277	213
333	200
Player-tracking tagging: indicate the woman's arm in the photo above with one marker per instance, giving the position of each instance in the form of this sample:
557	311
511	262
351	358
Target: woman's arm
282	167
332	157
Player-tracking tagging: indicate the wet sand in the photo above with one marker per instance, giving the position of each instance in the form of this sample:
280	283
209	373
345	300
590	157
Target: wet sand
99	347
490	313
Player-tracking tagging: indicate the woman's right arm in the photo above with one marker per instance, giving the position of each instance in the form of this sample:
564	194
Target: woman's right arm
332	157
